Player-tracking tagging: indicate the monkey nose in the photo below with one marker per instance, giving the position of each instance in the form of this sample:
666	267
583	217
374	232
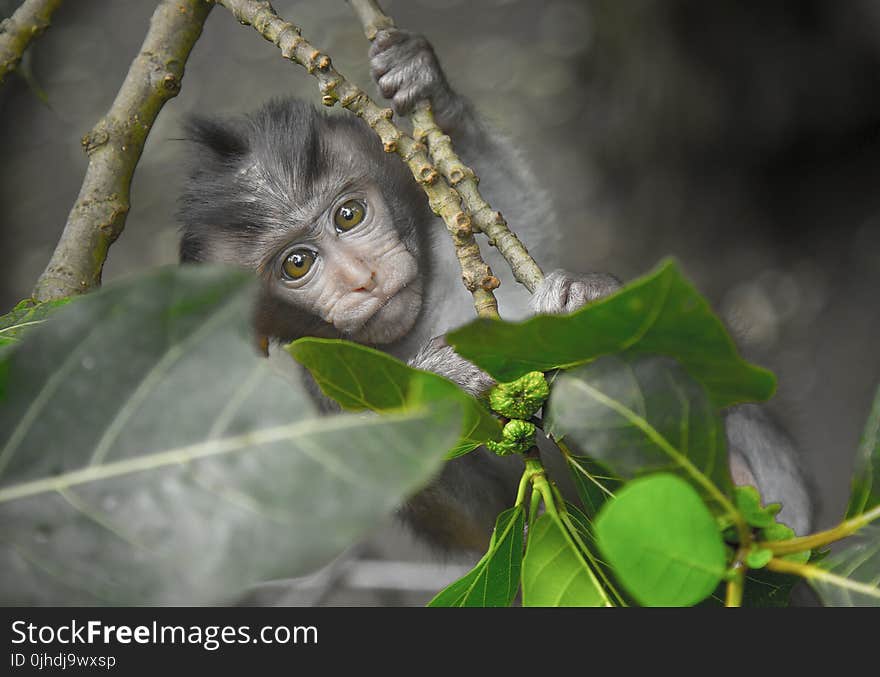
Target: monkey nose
361	277
369	284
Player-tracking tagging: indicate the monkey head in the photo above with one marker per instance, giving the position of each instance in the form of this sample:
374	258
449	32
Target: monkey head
332	225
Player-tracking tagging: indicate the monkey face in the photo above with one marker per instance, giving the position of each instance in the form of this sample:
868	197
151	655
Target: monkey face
350	268
336	229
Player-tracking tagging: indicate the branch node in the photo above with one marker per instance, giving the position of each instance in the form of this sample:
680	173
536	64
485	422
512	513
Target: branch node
94	139
317	61
348	100
490	282
428	175
171	83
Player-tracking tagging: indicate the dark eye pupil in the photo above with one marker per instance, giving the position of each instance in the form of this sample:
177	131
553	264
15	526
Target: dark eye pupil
298	260
348	213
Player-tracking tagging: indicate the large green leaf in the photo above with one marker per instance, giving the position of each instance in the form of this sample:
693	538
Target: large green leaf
494	580
660	313
865	492
851	575
149	456
639	416
25	316
361	378
554	572
662	542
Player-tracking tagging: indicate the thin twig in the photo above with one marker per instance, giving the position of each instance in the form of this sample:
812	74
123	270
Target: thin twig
444	200
114	147
26	24
460	176
822	539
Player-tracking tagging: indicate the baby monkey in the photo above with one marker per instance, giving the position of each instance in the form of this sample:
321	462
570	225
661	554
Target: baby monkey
346	247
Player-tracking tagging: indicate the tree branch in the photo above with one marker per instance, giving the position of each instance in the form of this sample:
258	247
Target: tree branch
459	175
27	23
444	200
114	147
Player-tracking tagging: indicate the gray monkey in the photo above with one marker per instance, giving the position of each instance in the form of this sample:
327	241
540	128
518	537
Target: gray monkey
345	246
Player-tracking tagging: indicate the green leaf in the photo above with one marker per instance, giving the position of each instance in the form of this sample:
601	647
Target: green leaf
661	542
495	579
26	315
361	378
757	558
642	416
782	532
748	502
851	575
554	572
660	313
594	483
148	455
865	493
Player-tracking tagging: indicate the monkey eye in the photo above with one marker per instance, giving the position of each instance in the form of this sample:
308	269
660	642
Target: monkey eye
298	263
349	214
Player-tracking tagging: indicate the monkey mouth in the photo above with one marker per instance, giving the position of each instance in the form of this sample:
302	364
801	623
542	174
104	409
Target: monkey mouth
388	310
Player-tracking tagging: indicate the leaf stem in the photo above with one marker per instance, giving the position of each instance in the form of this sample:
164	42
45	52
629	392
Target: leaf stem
822	538
814	573
534	506
541	484
736	584
523	485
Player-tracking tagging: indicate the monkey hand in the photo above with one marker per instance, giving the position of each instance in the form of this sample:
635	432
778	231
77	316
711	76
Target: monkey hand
559	292
563	292
437	356
407	71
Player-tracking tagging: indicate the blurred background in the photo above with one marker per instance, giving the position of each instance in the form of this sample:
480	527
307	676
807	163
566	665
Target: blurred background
740	136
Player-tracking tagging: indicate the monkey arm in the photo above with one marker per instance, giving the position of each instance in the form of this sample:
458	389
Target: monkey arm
407	72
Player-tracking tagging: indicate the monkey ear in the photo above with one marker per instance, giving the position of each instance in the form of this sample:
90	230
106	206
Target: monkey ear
225	139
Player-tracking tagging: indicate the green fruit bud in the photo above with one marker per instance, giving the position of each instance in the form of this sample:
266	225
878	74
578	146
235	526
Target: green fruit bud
520	398
517	437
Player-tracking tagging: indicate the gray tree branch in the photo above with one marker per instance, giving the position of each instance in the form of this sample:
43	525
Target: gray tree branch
18	31
114	147
459	175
